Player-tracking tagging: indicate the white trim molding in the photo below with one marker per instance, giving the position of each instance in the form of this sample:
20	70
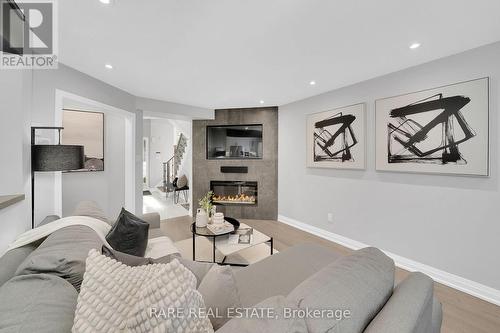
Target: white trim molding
451	280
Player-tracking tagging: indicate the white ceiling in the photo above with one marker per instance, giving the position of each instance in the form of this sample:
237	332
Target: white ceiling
234	53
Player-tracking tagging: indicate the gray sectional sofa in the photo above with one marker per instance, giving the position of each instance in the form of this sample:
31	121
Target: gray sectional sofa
37	295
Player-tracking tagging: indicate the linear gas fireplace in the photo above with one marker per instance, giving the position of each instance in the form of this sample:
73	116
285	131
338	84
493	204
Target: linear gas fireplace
234	192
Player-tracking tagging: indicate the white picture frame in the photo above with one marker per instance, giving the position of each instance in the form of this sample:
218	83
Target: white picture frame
443	130
337	138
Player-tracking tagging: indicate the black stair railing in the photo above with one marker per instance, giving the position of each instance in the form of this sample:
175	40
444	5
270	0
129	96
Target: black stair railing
171	167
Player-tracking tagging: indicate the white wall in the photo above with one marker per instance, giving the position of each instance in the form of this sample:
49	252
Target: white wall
161	148
45	84
448	222
15	104
107	187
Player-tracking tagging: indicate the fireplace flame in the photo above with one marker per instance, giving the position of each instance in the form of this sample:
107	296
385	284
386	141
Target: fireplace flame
234	198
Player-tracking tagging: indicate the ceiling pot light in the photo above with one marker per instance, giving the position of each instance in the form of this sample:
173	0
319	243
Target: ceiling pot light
312	83
106	2
261	102
414	46
108	66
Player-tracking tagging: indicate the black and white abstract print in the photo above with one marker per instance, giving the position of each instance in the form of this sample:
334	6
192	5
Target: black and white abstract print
336	138
436	141
441	130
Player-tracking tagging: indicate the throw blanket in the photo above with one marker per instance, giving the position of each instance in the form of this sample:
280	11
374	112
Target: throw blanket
101	228
157	247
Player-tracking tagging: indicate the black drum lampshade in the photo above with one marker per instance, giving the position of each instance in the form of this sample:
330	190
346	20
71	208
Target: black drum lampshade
58	157
52	158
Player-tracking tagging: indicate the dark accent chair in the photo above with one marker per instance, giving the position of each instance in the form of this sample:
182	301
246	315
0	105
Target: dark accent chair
177	190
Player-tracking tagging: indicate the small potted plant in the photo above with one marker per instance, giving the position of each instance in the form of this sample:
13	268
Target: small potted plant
203	213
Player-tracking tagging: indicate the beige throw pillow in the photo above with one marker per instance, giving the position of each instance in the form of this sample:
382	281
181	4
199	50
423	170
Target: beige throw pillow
219	291
182	181
118	298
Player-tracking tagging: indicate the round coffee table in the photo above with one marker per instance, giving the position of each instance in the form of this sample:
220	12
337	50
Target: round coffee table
205	232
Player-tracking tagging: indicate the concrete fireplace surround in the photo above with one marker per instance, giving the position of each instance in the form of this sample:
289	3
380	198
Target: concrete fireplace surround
264	171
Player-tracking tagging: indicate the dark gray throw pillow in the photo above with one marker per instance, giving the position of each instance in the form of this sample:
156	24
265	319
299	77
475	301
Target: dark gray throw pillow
129	234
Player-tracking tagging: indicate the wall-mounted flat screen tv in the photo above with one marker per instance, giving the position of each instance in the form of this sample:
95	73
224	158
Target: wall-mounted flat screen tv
234	142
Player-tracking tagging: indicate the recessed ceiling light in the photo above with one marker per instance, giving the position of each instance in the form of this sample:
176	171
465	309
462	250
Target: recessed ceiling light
312	83
108	66
106	2
261	102
414	46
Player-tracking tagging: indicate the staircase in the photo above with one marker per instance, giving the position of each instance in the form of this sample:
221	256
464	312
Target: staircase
171	167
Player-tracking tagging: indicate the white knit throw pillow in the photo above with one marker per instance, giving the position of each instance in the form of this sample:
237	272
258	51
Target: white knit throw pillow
117	298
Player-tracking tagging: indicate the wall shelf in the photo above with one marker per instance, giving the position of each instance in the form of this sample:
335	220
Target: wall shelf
9	200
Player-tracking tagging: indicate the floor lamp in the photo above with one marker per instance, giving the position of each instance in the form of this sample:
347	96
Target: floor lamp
52	158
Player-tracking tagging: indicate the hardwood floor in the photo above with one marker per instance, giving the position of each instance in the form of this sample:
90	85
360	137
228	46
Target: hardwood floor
462	313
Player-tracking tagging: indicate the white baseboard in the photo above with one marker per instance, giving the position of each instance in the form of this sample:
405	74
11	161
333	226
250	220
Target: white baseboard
451	280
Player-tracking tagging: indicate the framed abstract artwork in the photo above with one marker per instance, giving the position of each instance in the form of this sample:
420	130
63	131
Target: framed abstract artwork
87	129
442	130
337	138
